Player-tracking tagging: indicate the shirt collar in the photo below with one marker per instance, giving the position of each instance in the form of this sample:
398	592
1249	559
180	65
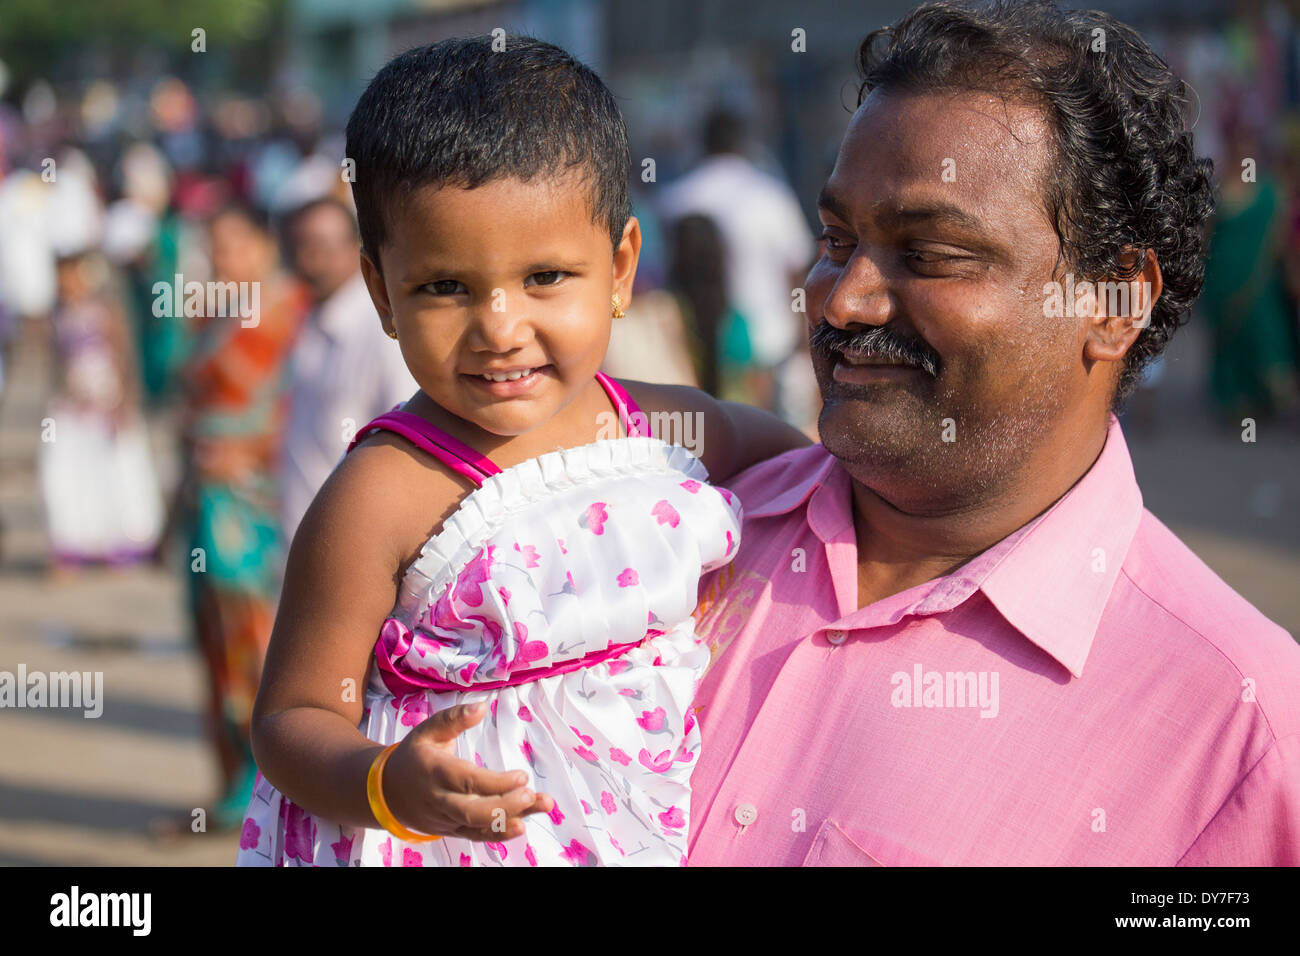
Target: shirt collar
1055	583
1050	579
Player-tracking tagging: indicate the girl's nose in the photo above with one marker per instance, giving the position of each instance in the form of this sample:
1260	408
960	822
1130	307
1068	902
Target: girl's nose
497	327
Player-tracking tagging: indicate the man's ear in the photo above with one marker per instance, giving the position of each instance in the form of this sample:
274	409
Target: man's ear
625	259
1122	309
378	292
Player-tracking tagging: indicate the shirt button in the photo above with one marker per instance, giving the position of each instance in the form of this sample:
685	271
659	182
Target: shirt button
746	813
836	637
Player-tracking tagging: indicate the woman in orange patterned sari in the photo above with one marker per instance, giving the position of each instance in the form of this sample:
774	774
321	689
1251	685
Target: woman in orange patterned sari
235	391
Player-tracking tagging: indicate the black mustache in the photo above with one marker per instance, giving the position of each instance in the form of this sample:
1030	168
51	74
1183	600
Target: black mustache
879	340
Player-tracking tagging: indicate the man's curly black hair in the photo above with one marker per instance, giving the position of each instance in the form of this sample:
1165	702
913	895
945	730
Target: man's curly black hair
1126	175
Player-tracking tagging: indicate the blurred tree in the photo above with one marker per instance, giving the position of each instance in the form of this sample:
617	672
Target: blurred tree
39	38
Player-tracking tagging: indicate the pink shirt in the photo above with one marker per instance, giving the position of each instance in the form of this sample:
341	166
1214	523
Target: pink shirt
1085	692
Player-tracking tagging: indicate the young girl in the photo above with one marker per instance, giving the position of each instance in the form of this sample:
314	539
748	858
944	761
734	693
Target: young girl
525	549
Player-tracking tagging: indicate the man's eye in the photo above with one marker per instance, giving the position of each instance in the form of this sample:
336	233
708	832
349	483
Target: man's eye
922	257
444	287
550	277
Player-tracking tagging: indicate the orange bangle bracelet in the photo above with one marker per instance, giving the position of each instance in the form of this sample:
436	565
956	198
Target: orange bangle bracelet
375	794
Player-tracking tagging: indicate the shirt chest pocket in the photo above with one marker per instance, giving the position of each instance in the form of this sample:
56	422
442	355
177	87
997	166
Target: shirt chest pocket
834	845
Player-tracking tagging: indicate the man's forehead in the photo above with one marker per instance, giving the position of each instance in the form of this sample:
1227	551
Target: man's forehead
954	151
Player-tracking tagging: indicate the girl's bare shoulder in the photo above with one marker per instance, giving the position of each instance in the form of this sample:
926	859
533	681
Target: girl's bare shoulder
390	492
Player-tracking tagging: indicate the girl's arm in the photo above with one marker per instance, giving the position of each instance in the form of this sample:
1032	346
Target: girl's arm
340	584
727	436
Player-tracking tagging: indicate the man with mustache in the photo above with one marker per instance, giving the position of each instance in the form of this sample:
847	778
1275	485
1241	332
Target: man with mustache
952	634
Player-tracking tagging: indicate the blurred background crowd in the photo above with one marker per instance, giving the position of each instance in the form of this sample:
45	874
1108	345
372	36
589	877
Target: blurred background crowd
157	452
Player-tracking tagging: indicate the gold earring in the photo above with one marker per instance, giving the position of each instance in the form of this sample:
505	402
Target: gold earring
618	307
392	334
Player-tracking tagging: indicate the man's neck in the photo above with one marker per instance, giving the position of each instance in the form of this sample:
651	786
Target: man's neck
898	549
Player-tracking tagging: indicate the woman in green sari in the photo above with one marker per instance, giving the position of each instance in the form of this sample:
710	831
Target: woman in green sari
1253	369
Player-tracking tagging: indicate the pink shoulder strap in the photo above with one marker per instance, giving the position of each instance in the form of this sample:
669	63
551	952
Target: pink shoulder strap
452	452
458	456
629	412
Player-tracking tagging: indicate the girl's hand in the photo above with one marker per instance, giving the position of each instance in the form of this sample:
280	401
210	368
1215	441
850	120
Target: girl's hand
431	790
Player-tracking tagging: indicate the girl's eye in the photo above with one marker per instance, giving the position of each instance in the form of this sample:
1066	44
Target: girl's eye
550	277
444	287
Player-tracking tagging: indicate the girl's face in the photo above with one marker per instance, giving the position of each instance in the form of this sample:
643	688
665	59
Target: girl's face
510	277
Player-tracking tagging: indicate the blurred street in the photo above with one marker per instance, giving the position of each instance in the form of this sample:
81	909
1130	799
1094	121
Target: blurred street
83	791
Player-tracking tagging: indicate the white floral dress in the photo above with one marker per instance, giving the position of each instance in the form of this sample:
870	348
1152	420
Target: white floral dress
561	592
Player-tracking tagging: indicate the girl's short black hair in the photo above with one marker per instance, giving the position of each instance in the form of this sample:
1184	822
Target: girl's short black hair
461	113
1125	173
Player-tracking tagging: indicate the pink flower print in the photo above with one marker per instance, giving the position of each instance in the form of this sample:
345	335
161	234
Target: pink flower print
499	849
585	754
607	802
665	513
594	518
556	816
692	485
467	672
529	651
249	835
465	860
505	595
342	849
672	818
386	852
478	759
563	549
652	720
730	543
581	736
618	667
660	763
527	749
525	714
614	843
299	834
415	710
412	857
629	692
579	855
727	496
530	555
529	855
683	755
628	577
586	807
473	575
689	725
491	629
617	755
570	586
493	707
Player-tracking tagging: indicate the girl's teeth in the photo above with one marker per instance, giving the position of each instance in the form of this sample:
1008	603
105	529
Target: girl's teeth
507	376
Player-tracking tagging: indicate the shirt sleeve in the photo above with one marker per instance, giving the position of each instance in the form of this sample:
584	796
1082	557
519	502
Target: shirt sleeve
1259	823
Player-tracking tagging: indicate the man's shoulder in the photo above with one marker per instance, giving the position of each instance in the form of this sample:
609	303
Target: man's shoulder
1191	603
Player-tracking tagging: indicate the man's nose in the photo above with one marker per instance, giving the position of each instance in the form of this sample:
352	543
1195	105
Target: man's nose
860	295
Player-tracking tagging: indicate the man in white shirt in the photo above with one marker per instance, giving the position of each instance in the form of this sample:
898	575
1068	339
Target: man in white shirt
769	246
344	371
